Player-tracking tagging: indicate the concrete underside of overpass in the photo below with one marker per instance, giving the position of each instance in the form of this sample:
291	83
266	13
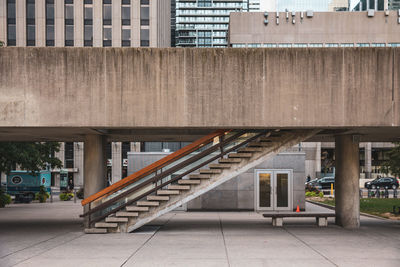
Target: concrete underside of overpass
140	94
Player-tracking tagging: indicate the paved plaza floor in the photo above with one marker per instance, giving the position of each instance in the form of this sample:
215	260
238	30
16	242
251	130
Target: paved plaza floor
51	234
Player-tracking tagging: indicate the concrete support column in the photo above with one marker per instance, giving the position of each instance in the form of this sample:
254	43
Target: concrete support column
385	4
59	23
94	164
20	9
135	147
116	23
116	154
78	162
78	23
97	23
40	14
368	160
347	187
135	22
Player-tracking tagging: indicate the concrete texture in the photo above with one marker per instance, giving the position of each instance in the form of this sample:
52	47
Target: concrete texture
115	89
51	235
347	187
323	27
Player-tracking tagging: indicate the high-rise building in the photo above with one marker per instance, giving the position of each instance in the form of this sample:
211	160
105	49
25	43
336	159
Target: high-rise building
98	23
315	5
204	23
87	23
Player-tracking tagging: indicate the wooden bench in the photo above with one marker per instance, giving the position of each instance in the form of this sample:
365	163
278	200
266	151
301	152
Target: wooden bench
321	218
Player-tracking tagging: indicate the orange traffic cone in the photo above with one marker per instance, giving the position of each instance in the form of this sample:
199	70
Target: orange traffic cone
298	209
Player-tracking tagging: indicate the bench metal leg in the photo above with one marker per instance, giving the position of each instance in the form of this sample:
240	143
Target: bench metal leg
322	221
278	222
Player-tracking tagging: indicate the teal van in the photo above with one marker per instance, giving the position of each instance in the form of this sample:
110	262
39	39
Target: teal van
23	185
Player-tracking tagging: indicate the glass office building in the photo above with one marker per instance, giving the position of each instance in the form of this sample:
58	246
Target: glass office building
204	23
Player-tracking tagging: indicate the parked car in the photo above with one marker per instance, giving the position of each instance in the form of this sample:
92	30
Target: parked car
325	183
383	182
311	184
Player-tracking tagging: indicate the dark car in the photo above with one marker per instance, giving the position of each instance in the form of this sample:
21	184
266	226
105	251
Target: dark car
325	183
311	184
383	182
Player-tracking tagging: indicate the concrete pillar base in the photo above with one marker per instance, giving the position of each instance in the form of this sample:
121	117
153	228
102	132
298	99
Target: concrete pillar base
322	221
277	222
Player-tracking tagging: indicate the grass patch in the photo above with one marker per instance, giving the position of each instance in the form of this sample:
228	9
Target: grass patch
376	206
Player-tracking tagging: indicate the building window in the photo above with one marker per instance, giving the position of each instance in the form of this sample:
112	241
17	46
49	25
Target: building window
347	45
144	2
284	45
126	36
88	23
269	45
378	44
253	45
49	22
331	45
107	21
315	45
363	45
30	23
11	30
144	16
394	44
126	22
144	37
69	154
238	45
69	22
299	45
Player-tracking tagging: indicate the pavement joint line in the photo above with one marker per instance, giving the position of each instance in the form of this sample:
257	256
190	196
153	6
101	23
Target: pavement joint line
41	242
145	242
62	243
319	253
223	238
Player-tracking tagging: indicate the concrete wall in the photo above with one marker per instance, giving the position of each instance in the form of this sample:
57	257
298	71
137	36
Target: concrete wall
323	27
238	193
212	88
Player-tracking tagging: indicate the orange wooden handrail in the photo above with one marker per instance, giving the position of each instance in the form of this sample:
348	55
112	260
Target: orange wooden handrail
153	167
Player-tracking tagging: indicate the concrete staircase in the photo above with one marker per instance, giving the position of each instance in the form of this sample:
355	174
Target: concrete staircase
196	184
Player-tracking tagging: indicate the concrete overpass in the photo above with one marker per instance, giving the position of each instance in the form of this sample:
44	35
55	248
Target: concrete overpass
178	94
95	94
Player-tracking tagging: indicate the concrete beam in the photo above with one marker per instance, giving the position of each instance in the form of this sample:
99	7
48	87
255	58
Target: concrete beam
347	187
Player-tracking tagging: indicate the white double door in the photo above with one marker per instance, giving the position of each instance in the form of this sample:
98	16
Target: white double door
273	189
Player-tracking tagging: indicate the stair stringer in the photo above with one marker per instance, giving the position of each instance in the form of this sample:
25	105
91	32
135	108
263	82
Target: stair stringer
287	141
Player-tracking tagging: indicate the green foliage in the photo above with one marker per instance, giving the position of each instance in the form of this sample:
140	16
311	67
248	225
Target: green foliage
2	44
4	199
30	156
42	195
393	164
321	194
66	196
311	194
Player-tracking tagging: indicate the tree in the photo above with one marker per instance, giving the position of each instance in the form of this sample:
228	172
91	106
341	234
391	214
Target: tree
393	164
29	156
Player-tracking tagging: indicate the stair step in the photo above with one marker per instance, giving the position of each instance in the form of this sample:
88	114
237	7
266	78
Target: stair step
148	203
179	187
167	192
105	225
126	214
136	208
259	144
213	171
200	176
95	231
269	138
160	198
250	149
219	166
116	219
230	160
240	155
186	181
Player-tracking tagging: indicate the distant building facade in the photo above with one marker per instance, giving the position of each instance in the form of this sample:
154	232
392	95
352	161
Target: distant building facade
204	23
322	29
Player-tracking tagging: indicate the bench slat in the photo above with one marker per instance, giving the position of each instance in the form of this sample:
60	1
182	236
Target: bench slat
283	215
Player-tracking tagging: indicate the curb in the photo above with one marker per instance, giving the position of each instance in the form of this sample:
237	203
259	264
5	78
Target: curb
361	213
